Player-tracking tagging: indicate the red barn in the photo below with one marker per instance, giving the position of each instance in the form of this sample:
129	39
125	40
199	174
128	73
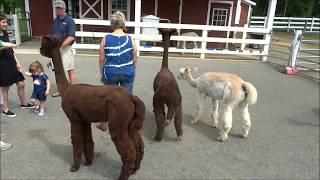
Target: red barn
205	12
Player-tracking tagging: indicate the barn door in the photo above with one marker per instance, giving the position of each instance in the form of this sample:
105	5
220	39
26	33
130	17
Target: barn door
91	9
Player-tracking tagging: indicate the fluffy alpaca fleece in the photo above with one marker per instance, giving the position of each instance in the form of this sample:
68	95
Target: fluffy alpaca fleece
166	92
84	104
228	88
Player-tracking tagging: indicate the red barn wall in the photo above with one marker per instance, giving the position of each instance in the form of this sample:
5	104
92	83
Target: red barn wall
41	17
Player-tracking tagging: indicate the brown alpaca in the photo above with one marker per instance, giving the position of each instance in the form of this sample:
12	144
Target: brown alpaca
166	92
84	104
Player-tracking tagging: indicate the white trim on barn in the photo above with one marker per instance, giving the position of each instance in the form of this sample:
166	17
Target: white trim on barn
251	3
91	8
238	13
222	2
230	14
128	9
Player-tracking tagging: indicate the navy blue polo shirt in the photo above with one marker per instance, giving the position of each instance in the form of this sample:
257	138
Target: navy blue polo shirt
62	28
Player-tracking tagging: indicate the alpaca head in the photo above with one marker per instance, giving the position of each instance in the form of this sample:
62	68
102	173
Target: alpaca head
185	72
48	44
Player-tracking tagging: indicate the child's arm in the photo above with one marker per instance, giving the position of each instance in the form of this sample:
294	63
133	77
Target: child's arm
28	74
48	87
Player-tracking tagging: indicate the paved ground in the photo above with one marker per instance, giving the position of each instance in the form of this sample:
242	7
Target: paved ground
283	143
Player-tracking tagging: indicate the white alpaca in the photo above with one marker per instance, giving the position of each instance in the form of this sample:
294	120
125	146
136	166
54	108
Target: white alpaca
228	88
190	34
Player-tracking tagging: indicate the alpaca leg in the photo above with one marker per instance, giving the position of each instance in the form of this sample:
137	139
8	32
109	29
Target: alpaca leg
246	120
77	142
159	114
178	122
200	105
215	112
227	123
160	121
88	144
126	148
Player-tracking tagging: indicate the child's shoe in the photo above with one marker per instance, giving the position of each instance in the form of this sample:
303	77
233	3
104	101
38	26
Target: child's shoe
41	113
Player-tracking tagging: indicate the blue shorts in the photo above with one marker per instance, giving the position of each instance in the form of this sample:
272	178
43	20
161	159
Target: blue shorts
122	80
41	96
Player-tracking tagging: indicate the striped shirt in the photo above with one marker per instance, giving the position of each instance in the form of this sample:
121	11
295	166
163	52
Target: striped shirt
118	56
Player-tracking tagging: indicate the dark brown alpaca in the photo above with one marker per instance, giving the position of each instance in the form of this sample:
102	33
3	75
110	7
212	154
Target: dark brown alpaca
166	92
84	104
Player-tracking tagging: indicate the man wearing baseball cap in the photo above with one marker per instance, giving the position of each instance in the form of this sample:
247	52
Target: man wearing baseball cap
64	29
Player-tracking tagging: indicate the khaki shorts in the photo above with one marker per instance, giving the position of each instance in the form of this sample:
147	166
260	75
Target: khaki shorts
67	58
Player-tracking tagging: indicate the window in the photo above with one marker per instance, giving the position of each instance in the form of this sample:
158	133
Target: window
120	5
219	17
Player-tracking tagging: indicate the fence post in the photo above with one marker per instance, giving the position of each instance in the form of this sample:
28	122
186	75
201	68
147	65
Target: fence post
244	36
268	26
137	17
295	46
289	23
312	22
203	44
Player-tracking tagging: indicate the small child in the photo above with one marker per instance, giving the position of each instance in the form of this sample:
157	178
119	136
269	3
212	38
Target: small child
41	86
7	45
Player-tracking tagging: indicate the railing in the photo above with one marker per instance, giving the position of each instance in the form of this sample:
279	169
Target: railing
288	23
204	39
304	55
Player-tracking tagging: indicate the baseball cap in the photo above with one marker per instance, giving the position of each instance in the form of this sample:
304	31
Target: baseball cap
59	4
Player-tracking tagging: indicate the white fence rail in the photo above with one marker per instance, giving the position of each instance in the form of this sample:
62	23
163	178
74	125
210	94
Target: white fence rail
288	23
204	39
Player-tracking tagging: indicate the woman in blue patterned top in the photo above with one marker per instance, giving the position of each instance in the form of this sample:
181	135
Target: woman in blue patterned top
117	57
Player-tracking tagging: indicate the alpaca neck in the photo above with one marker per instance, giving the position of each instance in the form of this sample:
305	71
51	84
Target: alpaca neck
61	80
191	81
166	42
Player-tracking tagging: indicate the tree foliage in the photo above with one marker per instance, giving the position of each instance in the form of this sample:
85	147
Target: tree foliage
290	8
8	6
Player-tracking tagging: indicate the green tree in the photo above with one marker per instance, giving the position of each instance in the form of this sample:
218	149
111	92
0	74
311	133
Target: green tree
8	6
298	8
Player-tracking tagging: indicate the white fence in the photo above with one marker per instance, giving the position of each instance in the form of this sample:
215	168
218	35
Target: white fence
288	23
204	39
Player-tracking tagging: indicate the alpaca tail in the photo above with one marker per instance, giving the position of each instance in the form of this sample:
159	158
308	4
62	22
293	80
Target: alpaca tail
251	92
139	114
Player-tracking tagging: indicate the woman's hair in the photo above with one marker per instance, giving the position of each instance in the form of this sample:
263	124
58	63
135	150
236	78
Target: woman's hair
118	21
2	17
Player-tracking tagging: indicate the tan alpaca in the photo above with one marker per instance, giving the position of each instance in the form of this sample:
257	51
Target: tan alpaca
228	88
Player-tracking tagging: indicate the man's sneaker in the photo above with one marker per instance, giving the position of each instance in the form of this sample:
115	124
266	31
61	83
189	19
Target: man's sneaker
3	136
28	106
5	146
9	114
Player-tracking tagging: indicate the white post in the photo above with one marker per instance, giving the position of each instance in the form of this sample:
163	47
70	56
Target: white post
27	9
268	26
16	29
54	11
244	37
295	46
312	23
203	44
137	17
238	12
289	23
